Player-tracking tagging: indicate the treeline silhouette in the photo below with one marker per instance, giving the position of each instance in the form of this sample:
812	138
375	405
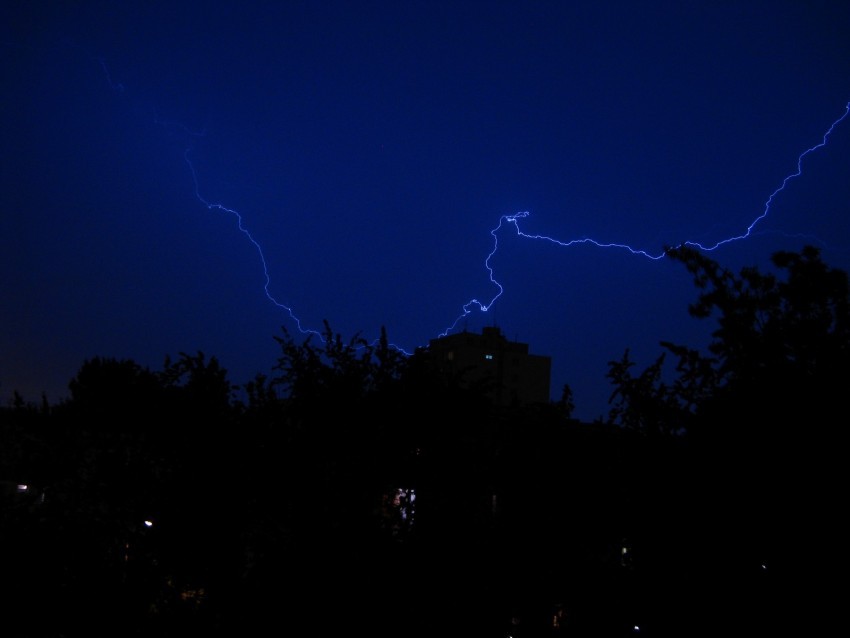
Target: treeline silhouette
354	489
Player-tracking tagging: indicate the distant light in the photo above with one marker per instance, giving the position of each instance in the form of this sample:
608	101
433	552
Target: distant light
148	523
22	488
636	629
488	356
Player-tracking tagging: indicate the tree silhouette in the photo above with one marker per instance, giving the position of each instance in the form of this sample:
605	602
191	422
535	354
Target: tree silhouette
566	404
781	346
762	412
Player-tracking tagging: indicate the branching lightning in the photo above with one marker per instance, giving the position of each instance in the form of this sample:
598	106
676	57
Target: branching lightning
514	220
504	221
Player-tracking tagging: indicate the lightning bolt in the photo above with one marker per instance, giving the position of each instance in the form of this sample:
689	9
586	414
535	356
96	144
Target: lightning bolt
240	224
514	220
504	221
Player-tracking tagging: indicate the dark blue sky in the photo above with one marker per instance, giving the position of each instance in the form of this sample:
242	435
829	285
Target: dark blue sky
370	148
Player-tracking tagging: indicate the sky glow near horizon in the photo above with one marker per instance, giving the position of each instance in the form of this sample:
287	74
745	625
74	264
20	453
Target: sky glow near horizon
348	165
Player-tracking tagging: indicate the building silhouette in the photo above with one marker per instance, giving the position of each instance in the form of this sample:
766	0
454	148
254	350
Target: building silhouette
503	369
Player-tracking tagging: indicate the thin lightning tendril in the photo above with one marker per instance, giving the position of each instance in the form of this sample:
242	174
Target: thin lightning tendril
472	304
247	233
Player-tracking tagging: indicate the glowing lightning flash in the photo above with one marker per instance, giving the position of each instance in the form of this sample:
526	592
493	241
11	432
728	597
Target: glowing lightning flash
469	306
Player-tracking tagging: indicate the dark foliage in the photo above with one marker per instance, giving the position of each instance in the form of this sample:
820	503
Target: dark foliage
761	414
355	489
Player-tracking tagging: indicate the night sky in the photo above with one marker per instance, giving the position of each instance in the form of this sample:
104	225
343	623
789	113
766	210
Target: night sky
165	166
